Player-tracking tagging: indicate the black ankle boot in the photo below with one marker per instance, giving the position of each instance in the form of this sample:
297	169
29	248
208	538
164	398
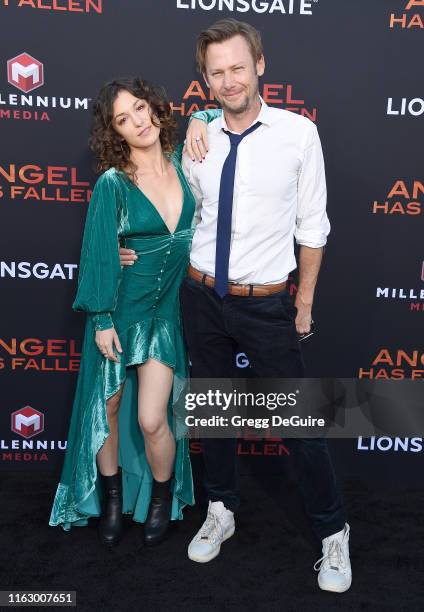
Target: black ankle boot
158	517
110	525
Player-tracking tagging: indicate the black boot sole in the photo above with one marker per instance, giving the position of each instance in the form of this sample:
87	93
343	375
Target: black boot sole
157	540
109	543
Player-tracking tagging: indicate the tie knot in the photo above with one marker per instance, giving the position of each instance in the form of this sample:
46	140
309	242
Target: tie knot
235	139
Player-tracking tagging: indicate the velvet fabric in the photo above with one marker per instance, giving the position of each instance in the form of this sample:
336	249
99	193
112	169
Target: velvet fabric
142	303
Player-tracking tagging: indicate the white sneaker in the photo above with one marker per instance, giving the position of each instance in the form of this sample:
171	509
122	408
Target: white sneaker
218	527
335	573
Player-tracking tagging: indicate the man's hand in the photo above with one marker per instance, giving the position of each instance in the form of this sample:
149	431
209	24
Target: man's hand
127	256
105	340
304	315
196	142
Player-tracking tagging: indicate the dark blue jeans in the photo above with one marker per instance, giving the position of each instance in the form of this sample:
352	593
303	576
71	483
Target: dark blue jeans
263	328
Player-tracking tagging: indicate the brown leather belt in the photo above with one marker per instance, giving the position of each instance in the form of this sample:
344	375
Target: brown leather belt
234	288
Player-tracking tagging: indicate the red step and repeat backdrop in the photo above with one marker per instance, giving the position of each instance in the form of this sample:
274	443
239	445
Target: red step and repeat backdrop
351	67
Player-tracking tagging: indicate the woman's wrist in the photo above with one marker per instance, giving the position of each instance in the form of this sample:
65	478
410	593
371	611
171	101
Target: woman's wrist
102	321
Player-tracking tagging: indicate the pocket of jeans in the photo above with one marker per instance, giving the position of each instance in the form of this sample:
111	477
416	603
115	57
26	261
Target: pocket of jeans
287	302
190	281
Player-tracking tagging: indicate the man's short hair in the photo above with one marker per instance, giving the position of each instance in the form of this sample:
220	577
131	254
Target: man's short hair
224	30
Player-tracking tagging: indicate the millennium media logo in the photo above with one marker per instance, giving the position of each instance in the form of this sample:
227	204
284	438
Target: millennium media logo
27	422
413	296
25	72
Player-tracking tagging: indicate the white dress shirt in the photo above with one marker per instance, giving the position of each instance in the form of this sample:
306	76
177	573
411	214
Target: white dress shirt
279	195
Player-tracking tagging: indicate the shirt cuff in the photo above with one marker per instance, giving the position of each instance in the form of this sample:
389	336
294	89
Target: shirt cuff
102	321
311	239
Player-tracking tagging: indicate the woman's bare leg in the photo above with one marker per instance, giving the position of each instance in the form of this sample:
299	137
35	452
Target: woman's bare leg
154	387
107	457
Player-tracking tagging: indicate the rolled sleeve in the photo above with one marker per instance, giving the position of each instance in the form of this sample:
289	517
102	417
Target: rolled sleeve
312	224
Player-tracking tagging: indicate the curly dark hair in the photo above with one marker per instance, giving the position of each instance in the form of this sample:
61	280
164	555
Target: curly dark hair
113	152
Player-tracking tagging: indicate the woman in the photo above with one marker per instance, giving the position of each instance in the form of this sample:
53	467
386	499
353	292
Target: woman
133	332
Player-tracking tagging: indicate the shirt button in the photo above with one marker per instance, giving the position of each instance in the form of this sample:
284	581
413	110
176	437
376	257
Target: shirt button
168	252
162	270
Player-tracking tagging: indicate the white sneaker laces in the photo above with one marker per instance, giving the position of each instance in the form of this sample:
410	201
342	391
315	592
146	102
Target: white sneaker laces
212	529
333	556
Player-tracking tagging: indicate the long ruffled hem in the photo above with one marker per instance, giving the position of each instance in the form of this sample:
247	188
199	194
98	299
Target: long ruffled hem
78	494
69	512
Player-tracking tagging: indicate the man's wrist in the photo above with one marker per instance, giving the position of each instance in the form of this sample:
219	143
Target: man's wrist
305	297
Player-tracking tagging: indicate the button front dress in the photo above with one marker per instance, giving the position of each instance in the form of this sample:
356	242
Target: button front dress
142	303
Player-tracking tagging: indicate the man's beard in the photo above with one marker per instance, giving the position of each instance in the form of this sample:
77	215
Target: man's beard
243	106
238	110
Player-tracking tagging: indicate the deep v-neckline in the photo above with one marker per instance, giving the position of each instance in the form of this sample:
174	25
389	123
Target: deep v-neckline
155	207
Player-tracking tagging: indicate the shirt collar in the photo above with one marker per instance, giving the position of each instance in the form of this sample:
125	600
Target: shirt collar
265	116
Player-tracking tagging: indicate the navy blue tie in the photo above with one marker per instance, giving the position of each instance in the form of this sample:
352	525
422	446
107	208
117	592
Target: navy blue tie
225	212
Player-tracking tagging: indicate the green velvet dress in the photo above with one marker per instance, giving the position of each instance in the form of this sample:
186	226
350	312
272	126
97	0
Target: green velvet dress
142	303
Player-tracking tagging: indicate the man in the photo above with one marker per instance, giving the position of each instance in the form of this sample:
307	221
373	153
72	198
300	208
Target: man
261	184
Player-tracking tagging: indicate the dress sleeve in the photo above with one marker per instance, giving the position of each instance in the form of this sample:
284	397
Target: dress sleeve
206	115
100	268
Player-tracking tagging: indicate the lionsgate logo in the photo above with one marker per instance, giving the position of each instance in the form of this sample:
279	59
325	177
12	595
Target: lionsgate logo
26	73
385	444
38	270
414	296
401	107
284	7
